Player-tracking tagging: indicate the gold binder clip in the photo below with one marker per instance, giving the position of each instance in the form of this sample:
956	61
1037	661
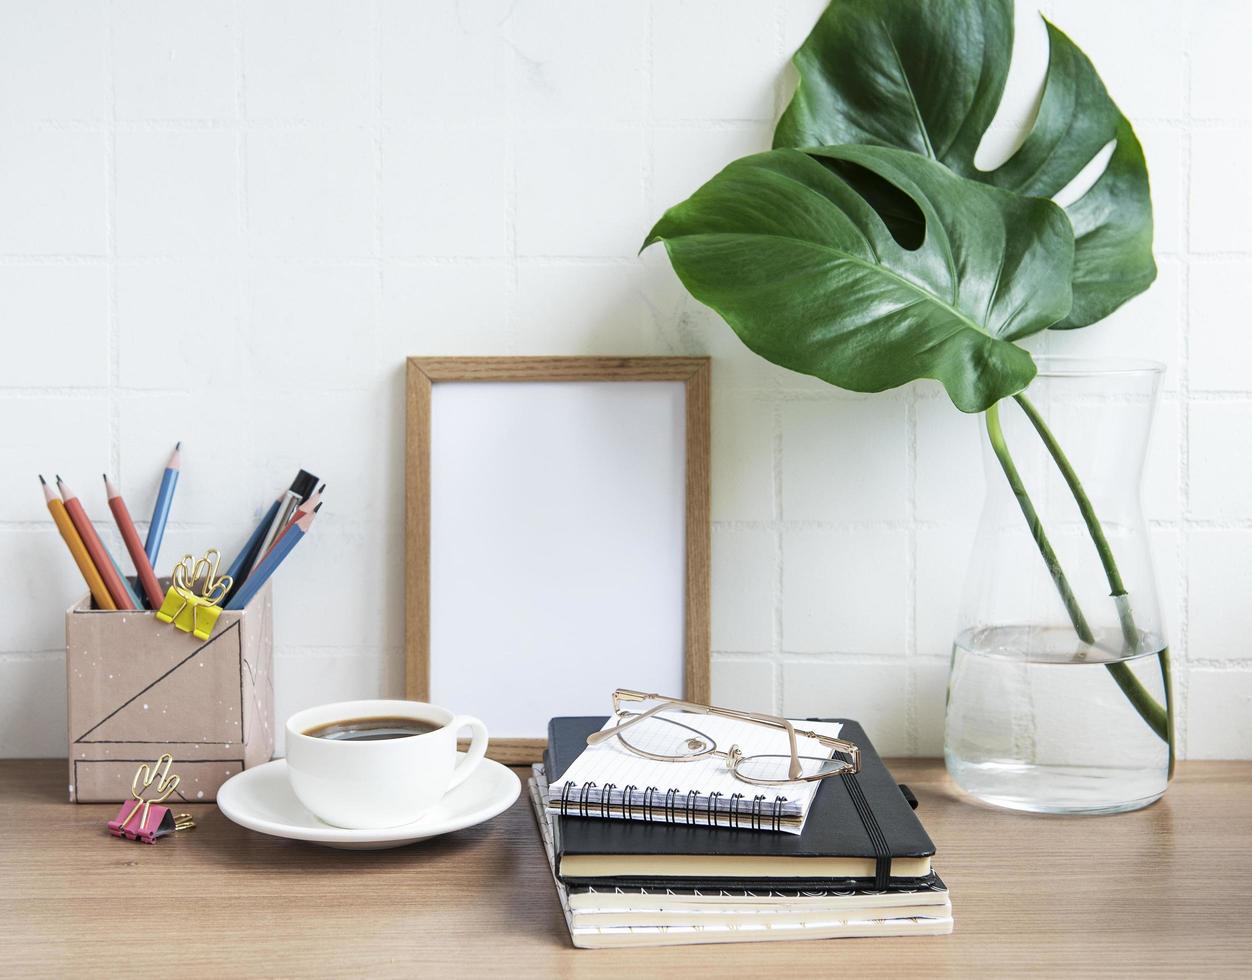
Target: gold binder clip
194	598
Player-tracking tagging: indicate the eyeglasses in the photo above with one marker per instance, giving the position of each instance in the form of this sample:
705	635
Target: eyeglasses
652	735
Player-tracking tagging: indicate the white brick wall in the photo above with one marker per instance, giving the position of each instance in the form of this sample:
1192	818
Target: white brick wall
229	222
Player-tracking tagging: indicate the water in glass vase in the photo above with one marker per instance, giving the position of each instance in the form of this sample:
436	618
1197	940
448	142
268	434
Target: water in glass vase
1042	725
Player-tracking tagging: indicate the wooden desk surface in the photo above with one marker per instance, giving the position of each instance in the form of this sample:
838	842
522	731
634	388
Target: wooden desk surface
1166	891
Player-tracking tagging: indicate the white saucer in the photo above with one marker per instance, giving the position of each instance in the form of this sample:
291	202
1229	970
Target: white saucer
261	799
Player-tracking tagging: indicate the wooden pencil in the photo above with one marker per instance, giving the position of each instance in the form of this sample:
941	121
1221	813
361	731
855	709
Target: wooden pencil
266	567
300	489
309	505
74	541
248	554
313	503
122	577
143	567
161	510
95	547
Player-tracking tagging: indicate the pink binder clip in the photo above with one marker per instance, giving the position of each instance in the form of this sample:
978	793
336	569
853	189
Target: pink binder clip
142	817
137	822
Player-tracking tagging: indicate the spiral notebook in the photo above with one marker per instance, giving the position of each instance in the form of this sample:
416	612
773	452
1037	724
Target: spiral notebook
862	833
610	781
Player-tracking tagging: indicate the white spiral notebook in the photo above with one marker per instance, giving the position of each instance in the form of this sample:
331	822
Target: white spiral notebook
610	781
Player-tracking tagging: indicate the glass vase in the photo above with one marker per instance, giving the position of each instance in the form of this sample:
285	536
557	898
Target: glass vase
1058	693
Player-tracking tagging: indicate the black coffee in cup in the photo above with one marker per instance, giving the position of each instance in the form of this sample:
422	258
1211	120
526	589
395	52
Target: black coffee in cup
371	729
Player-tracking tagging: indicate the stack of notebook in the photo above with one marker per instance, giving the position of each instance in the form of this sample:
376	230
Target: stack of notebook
639	863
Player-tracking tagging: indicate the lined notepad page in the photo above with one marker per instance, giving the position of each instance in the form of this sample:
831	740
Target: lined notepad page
610	762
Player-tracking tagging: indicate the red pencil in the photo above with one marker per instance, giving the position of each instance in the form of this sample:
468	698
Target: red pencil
147	577
91	541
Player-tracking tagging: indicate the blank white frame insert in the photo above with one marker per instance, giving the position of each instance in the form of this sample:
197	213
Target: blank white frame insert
557	545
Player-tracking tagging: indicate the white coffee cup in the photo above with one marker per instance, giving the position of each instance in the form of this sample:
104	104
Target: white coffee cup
368	784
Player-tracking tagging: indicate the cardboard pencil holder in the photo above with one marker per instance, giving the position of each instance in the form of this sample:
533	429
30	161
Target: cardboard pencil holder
138	687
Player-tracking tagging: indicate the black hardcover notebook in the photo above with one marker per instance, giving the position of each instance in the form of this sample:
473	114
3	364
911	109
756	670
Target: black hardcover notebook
861	832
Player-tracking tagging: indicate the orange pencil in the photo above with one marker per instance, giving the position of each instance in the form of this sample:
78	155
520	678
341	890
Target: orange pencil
147	577
77	549
95	547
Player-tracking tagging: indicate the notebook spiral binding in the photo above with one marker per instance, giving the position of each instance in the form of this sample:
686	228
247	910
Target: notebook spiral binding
735	811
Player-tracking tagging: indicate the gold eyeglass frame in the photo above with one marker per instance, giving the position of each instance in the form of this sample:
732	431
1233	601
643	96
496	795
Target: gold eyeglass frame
733	755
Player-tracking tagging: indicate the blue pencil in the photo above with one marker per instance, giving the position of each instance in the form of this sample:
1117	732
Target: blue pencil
130	589
247	556
161	512
260	575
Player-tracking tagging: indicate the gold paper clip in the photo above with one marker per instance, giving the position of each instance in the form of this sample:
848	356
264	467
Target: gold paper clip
144	778
145	795
190	610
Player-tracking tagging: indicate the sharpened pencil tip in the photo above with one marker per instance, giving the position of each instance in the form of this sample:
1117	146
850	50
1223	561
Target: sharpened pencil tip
321	488
106	477
179	444
59	480
42	480
317	508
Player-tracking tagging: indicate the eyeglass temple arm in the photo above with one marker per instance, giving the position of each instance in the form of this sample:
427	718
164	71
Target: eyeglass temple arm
795	770
595	738
777	721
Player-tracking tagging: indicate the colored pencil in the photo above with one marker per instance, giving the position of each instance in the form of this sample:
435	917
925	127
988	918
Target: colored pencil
95	548
161	511
309	505
74	541
301	487
287	504
270	562
247	556
313	503
147	577
122	576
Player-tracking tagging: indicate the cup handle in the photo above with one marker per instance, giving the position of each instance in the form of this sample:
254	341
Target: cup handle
477	747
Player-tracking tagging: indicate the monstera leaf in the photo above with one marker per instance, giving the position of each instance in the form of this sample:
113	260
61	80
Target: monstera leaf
927	76
791	248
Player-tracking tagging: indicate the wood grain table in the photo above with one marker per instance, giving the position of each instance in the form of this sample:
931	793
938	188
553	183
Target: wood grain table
1163	892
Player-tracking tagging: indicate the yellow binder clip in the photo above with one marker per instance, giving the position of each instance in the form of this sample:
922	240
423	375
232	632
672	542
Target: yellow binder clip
193	611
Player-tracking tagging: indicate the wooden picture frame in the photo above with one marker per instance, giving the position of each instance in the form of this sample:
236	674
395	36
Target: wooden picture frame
424	373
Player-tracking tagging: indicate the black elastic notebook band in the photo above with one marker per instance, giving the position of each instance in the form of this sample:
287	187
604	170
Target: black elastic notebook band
882	850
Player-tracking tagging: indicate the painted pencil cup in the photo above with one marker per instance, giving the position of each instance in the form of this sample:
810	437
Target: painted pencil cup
138	688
